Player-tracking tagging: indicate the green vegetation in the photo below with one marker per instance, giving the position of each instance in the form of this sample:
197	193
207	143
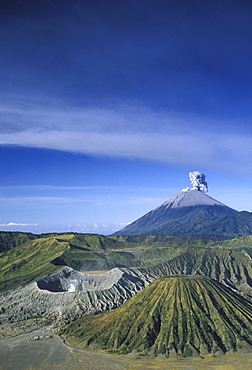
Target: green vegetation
180	315
186	316
232	267
84	252
241	243
27	257
87	260
234	225
29	261
9	240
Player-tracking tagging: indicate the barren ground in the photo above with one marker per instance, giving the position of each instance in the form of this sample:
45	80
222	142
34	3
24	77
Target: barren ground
20	353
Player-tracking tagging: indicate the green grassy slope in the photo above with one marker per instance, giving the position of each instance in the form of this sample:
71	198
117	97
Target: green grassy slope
173	315
240	243
29	261
234	268
97	252
88	260
9	240
27	257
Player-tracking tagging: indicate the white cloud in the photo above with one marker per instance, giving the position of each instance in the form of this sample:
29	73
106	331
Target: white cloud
98	228
129	132
17	224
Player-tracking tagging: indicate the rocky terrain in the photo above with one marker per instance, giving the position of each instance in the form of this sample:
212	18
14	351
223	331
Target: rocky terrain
31	307
63	297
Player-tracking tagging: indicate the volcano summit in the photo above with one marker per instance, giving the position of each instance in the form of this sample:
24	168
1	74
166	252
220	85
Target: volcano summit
176	214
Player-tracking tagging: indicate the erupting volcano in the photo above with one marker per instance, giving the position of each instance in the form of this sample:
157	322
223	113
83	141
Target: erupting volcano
186	207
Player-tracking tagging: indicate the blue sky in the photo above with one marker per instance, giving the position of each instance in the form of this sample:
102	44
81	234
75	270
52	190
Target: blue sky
105	106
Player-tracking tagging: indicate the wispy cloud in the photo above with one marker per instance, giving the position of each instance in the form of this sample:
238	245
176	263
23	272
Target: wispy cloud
63	202
127	131
45	201
53	188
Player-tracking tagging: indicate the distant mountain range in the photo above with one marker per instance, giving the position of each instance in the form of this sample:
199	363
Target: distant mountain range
191	212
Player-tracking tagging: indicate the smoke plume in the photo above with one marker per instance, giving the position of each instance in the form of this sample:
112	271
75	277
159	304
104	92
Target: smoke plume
198	181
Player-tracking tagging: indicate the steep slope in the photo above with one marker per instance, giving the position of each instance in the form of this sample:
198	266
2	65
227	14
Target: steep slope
62	298
177	315
66	296
28	257
9	240
187	206
29	261
232	268
233	225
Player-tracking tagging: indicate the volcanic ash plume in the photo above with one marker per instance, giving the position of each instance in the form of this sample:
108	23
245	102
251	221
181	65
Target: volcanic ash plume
198	181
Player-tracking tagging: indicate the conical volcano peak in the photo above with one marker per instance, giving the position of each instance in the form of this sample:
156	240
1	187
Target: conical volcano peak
182	213
191	198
